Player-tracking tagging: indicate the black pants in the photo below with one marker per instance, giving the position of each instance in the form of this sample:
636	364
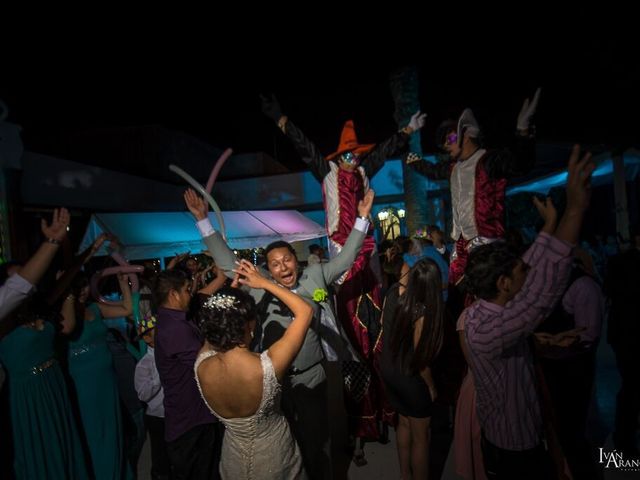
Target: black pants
160	465
570	382
501	464
628	400
306	410
196	454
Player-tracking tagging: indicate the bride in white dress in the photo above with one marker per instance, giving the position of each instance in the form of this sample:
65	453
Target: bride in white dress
242	388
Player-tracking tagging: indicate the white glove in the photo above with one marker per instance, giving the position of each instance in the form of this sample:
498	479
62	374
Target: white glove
527	111
417	121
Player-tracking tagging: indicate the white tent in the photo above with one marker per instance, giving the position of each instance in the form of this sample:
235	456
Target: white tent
157	235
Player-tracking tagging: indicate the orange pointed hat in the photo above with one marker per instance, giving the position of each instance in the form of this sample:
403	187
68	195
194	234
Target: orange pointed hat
349	142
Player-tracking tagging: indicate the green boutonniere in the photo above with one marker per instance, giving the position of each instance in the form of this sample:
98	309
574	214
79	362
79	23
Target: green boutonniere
320	295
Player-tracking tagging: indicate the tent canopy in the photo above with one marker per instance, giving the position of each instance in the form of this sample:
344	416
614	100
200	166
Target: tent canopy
157	235
603	174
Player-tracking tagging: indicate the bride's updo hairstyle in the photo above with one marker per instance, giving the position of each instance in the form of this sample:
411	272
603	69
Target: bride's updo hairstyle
223	318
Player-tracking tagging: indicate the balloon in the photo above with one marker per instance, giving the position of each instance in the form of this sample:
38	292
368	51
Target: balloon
190	180
133	278
120	260
217	167
129	269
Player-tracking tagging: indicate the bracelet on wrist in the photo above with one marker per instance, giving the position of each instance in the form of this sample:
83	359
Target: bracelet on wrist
54	241
363	218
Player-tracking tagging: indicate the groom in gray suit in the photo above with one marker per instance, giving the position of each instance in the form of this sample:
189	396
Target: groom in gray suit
304	399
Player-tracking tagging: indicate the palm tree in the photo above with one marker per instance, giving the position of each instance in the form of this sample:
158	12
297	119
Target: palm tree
404	88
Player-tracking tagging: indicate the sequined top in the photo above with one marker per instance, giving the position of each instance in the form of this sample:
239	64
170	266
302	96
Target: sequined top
26	351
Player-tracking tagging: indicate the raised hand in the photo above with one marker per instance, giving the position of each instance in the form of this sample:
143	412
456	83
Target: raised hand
177	259
417	121
196	204
578	196
527	111
548	213
57	229
579	181
249	275
181	256
364	205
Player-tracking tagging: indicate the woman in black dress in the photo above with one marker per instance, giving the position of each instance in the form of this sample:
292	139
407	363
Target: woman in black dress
413	335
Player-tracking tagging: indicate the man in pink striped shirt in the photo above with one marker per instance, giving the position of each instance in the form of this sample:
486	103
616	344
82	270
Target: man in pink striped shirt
513	296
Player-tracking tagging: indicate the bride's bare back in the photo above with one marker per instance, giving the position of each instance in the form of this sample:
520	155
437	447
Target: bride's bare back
231	382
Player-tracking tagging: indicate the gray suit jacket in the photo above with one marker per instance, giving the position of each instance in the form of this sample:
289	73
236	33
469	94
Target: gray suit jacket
314	277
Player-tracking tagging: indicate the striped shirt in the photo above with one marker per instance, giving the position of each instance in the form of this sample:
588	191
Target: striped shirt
500	358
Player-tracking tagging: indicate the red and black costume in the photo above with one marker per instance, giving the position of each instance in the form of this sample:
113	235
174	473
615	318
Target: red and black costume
358	298
478	186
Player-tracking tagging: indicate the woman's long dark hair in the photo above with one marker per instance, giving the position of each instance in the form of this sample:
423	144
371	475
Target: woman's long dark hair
422	298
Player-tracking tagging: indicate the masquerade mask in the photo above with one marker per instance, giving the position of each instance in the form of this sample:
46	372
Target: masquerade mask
451	139
349	158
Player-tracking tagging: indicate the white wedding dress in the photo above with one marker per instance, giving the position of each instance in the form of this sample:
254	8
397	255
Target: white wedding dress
260	446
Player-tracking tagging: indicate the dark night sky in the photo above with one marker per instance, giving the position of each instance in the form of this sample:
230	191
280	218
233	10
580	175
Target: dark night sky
590	91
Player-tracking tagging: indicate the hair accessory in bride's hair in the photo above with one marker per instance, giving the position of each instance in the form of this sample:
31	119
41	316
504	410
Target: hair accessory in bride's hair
220	301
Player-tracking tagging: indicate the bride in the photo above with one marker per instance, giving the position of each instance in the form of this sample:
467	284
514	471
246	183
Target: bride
242	388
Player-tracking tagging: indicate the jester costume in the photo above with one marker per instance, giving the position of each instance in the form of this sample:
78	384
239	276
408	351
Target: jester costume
358	298
478	185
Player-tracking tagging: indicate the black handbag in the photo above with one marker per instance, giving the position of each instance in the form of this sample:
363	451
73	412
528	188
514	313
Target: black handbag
356	377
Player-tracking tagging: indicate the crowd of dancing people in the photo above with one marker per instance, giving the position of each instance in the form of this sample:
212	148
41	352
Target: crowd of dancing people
222	362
